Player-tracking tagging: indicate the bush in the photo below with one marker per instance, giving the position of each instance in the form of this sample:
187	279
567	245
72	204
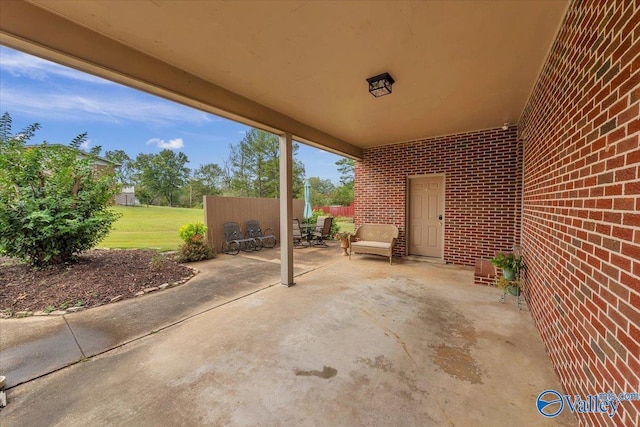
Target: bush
53	202
191	252
191	233
196	247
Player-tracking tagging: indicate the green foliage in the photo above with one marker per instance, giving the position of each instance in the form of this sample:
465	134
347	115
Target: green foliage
207	180
193	233
321	190
342	195
53	201
254	166
196	247
506	285
124	173
346	168
190	252
161	175
510	261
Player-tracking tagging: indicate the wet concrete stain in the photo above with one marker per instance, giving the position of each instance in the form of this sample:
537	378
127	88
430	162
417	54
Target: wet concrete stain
458	363
458	337
326	373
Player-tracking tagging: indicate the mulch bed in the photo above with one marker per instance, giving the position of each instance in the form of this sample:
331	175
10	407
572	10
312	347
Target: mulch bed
95	279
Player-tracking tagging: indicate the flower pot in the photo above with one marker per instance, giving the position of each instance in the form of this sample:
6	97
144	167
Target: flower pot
344	244
514	290
509	274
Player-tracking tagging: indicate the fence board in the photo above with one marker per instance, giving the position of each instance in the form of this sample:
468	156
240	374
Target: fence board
347	211
218	210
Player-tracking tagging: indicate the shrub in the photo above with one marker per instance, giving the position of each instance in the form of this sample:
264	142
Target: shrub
192	233
196	247
53	203
191	252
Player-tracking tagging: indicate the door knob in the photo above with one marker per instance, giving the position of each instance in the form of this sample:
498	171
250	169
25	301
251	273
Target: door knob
439	217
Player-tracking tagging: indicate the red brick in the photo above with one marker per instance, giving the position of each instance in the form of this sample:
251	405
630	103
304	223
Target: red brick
581	209
576	161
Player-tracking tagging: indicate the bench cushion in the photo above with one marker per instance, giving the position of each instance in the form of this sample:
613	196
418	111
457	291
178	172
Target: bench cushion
376	239
369	244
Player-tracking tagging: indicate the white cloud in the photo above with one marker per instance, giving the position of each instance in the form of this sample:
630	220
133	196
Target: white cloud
112	106
173	144
85	145
20	64
86	98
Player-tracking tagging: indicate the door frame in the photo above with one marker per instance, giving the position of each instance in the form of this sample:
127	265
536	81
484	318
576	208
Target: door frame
408	209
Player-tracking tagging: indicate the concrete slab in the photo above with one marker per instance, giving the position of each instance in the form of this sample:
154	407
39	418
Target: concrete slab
35	346
355	343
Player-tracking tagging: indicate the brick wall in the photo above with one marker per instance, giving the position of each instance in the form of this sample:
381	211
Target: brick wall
581	220
482	189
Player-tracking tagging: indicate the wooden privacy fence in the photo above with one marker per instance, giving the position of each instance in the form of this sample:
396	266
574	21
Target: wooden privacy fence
218	210
347	211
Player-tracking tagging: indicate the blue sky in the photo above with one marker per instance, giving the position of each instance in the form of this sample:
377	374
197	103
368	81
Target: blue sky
67	102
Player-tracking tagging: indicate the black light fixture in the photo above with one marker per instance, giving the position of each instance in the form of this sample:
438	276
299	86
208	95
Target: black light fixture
380	85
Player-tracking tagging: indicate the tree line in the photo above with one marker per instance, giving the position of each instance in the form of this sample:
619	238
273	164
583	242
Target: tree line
251	170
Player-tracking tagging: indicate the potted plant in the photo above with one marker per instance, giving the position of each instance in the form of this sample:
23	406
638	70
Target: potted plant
511	264
345	238
514	287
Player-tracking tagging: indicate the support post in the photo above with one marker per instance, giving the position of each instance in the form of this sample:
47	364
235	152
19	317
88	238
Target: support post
286	210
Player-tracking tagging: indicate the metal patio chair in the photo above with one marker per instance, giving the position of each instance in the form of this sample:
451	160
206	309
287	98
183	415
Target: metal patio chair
323	231
266	239
234	242
298	236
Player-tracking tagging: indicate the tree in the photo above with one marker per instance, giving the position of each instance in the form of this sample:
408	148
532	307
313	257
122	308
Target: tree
255	166
162	174
346	168
125	172
343	194
53	200
321	190
207	180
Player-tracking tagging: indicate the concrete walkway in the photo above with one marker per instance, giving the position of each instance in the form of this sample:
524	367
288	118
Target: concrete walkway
35	346
353	343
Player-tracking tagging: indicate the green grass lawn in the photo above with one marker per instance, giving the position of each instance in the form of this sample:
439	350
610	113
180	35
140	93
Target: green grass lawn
156	227
152	227
346	226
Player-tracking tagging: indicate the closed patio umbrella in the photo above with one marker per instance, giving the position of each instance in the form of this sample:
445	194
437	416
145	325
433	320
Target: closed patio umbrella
308	213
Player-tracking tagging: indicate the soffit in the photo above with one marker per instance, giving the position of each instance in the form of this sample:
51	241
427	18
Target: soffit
459	66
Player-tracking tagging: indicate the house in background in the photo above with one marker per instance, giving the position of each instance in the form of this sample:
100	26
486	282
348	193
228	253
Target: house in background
127	197
98	163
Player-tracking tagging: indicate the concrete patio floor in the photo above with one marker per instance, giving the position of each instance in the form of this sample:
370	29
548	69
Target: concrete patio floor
353	343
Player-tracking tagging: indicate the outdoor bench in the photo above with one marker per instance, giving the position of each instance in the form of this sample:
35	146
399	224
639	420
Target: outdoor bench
376	239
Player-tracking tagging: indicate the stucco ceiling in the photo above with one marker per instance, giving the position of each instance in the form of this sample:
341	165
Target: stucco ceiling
459	65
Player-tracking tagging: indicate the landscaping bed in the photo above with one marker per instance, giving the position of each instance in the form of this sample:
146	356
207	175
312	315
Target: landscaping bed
98	277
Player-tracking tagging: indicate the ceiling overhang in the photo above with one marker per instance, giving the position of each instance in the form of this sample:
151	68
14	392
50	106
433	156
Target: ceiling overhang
301	67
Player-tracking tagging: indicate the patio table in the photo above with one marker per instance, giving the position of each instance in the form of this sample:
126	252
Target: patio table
306	230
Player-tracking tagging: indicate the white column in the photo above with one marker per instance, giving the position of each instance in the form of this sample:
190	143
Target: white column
286	210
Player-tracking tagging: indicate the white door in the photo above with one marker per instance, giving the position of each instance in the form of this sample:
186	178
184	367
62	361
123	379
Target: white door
426	213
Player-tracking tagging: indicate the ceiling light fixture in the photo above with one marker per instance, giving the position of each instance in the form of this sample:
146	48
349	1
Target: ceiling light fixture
380	85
